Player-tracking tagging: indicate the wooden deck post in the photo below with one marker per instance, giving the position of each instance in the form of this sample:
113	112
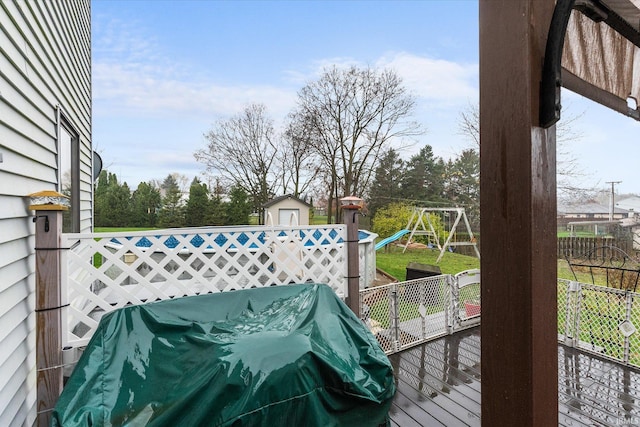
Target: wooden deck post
518	219
48	220
350	217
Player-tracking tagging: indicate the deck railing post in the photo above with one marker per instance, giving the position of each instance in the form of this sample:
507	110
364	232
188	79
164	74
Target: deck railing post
627	338
350	214
394	318
48	207
572	316
453	308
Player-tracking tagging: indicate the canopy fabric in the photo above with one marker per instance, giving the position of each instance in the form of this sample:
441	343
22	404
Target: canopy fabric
600	63
285	355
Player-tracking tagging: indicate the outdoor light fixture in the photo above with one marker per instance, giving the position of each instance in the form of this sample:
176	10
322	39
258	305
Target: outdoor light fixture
48	200
351	202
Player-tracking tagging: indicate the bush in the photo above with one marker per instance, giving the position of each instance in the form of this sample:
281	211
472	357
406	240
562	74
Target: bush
391	218
396	216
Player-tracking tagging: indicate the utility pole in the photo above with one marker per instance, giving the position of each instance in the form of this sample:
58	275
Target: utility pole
612	198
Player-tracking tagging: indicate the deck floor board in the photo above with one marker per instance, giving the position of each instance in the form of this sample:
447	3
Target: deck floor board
438	383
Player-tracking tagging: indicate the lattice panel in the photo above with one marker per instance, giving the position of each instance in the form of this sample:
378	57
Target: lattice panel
564	309
109	271
634	337
469	299
601	311
375	308
599	320
421	306
405	314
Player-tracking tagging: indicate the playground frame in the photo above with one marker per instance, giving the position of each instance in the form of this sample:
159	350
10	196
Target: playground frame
418	227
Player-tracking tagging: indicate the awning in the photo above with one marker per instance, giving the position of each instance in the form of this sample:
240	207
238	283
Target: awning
600	58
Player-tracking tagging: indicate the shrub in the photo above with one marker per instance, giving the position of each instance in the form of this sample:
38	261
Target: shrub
391	218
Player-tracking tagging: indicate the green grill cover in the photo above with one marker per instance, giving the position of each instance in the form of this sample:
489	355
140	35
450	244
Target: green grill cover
278	356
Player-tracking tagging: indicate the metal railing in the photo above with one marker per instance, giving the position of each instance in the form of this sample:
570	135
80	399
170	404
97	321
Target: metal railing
402	315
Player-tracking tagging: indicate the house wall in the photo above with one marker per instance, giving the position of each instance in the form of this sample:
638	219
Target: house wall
45	71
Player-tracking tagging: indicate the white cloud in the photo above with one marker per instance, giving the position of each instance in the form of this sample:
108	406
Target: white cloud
132	75
147	92
134	78
435	80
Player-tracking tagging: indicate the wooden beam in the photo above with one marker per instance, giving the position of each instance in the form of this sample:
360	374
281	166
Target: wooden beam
48	313
518	219
351	218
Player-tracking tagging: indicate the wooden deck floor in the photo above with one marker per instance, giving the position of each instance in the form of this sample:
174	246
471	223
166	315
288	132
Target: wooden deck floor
438	384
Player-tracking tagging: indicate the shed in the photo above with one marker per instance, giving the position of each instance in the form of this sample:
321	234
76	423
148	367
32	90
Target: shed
286	210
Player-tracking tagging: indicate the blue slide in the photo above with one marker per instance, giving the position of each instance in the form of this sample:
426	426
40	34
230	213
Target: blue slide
382	243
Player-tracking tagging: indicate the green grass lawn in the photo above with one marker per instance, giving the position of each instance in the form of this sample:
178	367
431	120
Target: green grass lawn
393	261
577	234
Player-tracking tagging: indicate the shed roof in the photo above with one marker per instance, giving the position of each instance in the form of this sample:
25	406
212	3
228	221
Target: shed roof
285	197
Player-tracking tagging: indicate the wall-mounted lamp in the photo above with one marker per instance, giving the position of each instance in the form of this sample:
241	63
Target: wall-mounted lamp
48	200
351	202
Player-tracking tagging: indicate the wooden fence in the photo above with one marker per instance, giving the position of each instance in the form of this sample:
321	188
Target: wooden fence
575	247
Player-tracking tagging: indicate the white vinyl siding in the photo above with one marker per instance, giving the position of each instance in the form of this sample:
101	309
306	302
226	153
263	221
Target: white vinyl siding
45	67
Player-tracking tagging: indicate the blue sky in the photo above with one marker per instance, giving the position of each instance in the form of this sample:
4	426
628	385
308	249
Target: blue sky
165	71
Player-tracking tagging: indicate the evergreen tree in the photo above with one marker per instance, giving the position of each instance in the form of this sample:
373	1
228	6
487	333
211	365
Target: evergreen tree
112	205
386	182
216	211
463	184
239	207
100	208
146	202
119	204
423	181
197	204
171	215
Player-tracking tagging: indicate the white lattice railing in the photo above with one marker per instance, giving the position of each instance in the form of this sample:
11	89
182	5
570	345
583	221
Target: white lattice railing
105	271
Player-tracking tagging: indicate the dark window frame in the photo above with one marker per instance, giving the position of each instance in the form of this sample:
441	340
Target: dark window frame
64	125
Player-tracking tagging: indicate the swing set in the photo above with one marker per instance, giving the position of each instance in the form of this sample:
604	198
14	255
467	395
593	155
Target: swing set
423	223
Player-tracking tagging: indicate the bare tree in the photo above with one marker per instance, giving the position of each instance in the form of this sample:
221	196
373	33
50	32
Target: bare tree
568	170
300	163
469	124
242	152
351	115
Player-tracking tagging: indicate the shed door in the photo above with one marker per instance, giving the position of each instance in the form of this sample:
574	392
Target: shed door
285	216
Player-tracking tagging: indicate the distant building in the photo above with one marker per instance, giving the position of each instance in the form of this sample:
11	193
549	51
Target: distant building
286	210
631	203
588	211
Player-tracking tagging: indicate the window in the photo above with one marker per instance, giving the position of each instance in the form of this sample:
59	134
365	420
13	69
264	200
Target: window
69	173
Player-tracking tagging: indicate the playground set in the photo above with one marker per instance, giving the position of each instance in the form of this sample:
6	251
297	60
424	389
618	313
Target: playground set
427	221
